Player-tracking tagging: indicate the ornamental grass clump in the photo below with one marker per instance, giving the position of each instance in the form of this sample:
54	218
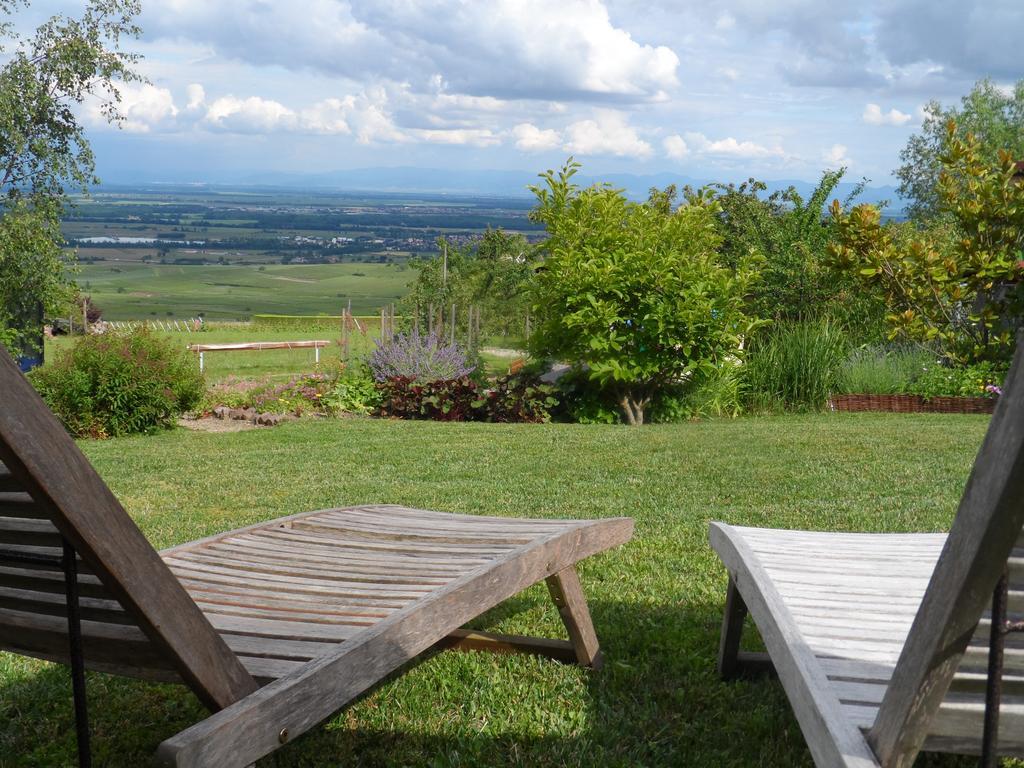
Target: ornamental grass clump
421	359
795	365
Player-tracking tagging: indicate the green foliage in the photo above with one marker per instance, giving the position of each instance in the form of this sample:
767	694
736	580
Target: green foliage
978	380
794	365
354	391
34	272
993	116
956	285
635	294
492	273
884	370
792	235
233	392
43	148
120	383
715	393
299	395
404	397
515	398
581	402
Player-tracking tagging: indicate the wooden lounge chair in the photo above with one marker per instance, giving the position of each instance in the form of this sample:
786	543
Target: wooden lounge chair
275	626
881	641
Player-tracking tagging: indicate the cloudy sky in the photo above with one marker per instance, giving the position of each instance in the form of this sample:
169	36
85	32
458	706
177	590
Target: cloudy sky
772	88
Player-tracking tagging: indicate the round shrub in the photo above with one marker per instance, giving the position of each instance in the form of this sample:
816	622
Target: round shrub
120	383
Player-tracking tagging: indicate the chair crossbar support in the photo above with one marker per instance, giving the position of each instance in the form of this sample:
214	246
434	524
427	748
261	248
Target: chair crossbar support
994	685
67	563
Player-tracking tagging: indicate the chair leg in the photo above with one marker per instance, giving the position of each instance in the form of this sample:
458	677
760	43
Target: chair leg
567	594
732	631
732	662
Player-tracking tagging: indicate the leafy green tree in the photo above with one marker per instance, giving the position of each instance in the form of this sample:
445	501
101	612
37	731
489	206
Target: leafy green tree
43	148
957	284
635	295
492	274
793	234
994	117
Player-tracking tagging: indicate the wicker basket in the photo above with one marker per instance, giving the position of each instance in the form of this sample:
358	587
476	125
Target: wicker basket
912	404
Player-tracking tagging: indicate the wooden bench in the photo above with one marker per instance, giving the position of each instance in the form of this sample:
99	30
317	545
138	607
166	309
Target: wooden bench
275	626
882	641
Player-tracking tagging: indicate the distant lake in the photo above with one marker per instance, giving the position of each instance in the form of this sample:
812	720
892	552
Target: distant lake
126	240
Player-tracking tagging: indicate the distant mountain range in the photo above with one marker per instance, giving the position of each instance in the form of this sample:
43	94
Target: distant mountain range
498	183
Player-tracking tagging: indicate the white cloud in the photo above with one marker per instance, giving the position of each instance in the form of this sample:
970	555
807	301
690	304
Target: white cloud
196	96
730	147
836	157
327	116
145	107
530	138
250	115
608	134
476	137
729	73
725	22
873	115
675	147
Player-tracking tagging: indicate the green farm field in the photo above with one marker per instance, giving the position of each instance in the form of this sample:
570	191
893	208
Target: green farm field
133	291
656	602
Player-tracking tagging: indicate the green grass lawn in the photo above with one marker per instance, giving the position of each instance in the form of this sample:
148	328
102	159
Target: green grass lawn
133	291
656	603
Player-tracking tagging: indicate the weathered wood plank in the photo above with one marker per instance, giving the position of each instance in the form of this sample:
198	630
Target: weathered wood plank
8	482
337	571
475	640
20	504
284	554
40	533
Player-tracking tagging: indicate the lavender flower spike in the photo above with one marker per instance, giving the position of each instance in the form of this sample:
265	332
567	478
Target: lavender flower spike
423	358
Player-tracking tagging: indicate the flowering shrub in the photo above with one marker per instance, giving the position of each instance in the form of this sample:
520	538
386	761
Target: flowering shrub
418	358
979	380
120	383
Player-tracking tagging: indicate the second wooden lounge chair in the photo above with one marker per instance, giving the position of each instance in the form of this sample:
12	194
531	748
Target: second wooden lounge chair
882	641
275	626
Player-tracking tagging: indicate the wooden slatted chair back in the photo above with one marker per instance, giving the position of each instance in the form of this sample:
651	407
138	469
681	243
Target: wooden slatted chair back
949	633
137	618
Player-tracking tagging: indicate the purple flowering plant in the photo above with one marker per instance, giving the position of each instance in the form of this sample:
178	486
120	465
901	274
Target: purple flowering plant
418	358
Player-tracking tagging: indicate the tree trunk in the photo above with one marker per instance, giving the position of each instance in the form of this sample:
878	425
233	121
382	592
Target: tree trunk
633	409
